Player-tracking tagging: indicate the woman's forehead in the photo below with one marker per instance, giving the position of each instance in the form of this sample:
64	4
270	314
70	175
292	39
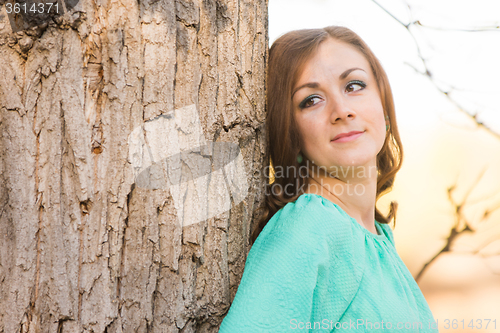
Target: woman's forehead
334	57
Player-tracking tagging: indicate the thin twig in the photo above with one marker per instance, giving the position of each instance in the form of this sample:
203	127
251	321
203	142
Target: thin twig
456	231
477	29
428	73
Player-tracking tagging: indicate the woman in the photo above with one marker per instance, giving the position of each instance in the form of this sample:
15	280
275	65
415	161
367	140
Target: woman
324	258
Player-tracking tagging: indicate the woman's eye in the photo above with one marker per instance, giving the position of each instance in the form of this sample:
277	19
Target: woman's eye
309	101
355	86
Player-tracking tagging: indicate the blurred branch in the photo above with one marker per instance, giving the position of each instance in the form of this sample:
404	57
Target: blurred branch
427	72
458	228
477	29
391	15
417	22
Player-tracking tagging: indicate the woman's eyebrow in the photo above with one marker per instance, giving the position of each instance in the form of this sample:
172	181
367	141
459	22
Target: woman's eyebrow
307	85
347	72
316	84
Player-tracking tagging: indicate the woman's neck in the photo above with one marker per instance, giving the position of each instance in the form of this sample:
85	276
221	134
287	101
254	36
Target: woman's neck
354	189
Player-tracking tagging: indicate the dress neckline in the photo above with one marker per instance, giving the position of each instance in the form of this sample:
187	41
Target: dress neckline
381	234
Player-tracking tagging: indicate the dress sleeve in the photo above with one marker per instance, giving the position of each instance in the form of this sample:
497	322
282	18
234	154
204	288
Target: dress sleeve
278	284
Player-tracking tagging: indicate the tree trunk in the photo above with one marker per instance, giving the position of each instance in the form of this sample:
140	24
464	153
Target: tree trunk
131	143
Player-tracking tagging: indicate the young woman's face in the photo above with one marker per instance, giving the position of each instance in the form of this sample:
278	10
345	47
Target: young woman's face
337	95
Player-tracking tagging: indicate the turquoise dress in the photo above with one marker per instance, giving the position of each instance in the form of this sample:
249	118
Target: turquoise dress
314	268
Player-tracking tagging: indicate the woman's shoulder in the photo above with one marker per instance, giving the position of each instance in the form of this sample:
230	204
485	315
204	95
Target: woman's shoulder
310	216
387	231
290	257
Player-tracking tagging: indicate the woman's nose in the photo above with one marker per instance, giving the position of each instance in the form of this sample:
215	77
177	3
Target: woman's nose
340	110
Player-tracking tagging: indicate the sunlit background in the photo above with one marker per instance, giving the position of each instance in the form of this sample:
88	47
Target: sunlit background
450	128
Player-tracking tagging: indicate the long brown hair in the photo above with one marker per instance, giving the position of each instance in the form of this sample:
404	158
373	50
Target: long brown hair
287	57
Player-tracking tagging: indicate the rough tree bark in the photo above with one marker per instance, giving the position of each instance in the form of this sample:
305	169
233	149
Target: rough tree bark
84	247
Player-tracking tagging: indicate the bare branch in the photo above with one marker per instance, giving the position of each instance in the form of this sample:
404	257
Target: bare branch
391	15
476	29
428	73
456	231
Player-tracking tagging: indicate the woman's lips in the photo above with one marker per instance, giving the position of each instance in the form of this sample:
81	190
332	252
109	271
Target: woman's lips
346	137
